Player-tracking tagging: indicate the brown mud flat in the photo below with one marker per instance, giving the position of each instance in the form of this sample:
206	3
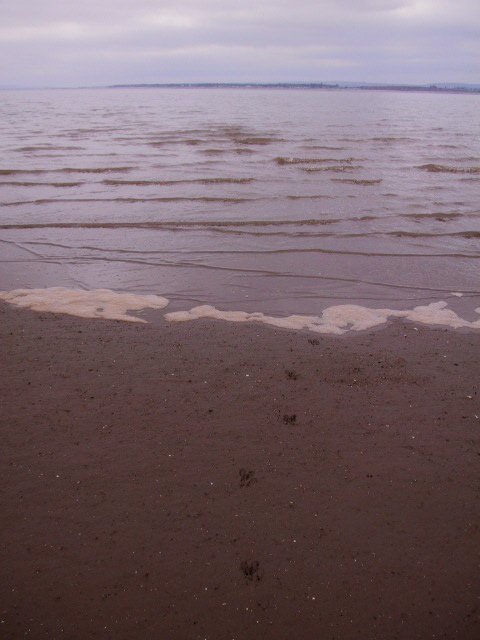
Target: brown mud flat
212	480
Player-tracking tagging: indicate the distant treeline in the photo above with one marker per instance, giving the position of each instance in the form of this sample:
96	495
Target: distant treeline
435	88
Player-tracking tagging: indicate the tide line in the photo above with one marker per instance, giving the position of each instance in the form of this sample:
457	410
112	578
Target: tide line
335	320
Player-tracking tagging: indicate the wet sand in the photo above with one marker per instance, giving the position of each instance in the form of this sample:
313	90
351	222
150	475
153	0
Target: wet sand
215	480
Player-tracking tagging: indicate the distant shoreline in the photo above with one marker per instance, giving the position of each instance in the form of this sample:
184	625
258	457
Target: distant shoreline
430	88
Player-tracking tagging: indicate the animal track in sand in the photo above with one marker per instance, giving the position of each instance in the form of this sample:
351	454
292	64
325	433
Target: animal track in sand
247	478
251	570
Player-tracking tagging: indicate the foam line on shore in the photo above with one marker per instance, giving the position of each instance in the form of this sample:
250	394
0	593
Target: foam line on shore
97	303
336	320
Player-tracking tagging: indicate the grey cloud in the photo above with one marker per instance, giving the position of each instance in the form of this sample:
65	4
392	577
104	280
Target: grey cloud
109	41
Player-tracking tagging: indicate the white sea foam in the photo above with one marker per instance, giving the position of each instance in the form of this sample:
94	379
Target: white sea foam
97	303
337	319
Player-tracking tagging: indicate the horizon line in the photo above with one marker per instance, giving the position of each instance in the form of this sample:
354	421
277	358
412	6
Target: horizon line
451	87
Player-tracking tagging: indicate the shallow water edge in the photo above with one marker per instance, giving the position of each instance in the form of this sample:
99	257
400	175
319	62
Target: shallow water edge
335	320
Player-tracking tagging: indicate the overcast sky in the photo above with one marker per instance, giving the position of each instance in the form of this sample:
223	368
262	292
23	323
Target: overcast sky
98	42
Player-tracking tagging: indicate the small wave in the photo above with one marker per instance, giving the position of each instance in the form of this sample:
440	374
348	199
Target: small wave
440	217
57	155
87	130
440	168
342	235
47	147
213	152
167	183
41	184
13	172
198	142
235	135
312	197
166	141
221	180
176	224
412	234
332	168
391	139
257	140
319	147
93	170
41	201
285	161
354	181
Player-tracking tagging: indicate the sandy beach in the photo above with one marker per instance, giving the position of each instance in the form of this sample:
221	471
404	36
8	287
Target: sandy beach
215	480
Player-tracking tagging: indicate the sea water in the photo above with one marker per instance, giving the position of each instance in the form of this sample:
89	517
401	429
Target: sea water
273	202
